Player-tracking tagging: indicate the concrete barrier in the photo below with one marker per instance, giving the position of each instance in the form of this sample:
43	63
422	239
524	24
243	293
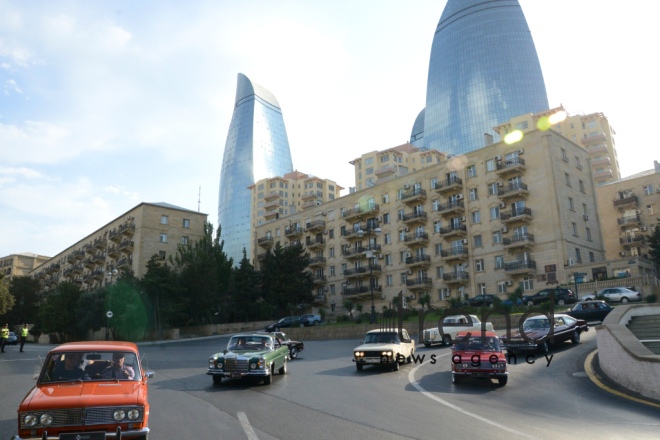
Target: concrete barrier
622	357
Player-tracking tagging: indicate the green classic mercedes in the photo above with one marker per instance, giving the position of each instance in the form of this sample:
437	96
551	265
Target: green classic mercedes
249	355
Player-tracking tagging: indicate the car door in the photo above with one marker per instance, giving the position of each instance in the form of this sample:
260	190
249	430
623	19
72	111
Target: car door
561	333
613	294
541	297
601	310
406	342
477	300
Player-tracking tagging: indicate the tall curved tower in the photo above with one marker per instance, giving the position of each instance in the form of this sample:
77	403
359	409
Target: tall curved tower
484	70
257	147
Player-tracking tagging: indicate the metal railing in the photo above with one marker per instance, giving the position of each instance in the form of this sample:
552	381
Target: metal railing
456	276
510	163
315	225
450	205
626	200
526	238
418	259
449	229
519	265
413	193
414	215
630	219
508	215
415	237
455	252
419	282
511	188
441	184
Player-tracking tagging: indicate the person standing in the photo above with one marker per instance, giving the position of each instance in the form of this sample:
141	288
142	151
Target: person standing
24	334
4	335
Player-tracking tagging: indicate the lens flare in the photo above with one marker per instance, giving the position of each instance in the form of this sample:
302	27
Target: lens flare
557	117
543	123
457	163
513	137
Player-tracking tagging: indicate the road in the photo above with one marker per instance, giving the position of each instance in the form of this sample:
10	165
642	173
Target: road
323	397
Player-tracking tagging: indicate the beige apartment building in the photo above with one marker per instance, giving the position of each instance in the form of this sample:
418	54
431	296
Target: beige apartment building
482	223
294	192
126	243
20	264
629	209
592	131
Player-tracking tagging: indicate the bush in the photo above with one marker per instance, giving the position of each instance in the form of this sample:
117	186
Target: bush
651	298
343	318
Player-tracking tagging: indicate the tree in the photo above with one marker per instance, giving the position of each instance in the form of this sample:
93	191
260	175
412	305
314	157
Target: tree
58	314
129	316
348	305
424	300
25	291
654	244
245	290
6	299
166	300
285	278
90	312
359	308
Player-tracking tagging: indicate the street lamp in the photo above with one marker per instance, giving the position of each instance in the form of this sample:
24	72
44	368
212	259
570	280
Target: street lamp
111	273
370	255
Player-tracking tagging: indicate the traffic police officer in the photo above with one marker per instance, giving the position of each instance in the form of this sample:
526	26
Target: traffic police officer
4	335
24	334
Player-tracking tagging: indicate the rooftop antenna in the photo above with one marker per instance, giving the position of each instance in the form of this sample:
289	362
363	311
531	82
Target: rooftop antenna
199	198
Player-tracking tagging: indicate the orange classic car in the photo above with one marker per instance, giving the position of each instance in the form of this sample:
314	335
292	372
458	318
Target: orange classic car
87	391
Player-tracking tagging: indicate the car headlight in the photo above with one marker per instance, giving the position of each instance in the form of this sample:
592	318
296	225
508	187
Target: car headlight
30	420
119	415
501	365
465	365
45	419
220	365
253	366
262	363
211	363
133	414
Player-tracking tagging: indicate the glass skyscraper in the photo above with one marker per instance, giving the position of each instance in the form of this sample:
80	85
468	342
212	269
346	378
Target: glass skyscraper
484	70
257	147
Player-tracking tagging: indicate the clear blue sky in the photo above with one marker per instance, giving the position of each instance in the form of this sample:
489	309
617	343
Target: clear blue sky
107	104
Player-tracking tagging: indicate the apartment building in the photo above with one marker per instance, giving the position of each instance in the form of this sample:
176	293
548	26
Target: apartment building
20	264
592	131
378	167
275	197
629	209
126	243
481	223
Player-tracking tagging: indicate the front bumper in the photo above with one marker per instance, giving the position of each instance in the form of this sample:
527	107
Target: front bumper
236	374
124	434
520	347
489	374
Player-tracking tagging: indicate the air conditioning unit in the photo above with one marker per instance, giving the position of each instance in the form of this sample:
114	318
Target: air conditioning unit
639	212
504	230
498	158
410	272
586	217
406	186
459	196
571	262
412	297
644	228
509	283
318	202
521	151
502	205
657	190
408	255
382	297
465	242
325	289
500	183
381	256
324	213
463	219
407	229
379	219
622	253
325	232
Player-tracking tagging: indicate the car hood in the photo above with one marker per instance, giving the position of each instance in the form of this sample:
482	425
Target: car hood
242	353
377	347
87	394
531	334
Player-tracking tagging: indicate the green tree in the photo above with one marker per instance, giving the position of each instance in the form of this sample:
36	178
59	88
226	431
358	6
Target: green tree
165	299
245	290
359	308
348	305
654	244
285	278
90	312
58	314
129	316
25	291
424	300
6	299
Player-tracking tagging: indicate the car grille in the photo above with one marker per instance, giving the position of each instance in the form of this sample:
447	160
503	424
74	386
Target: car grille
373	353
427	335
80	416
236	365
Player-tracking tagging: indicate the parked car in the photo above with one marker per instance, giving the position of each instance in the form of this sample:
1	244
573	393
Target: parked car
508	302
481	300
452	325
464	364
308	320
615	294
12	339
537	328
562	296
289	321
249	355
384	347
590	310
88	383
295	347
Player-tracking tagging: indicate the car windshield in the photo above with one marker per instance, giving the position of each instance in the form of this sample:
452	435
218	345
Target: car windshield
250	343
536	323
381	338
476	343
90	366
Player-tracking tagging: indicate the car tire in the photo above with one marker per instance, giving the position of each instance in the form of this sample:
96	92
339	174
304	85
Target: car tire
561	302
409	358
575	339
359	367
268	379
544	347
502	381
446	340
293	353
282	369
395	366
624	300
217	380
427	345
455	379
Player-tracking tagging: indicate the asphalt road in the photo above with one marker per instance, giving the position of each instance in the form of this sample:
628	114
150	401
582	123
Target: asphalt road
323	397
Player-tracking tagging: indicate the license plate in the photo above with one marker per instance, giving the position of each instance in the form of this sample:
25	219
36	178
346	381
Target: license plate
480	374
84	436
372	360
235	375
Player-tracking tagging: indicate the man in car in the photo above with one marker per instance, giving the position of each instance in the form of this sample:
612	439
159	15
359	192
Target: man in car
70	368
118	370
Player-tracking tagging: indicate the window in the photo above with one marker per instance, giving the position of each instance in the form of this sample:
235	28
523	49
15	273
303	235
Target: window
260	212
563	155
573	137
472	171
402	235
492	189
260	187
184	240
388	259
473	194
499	262
332	271
402	256
490	165
331	233
369	182
480	265
163	238
440	272
592	258
388	239
501	287
389	281
386	218
477	241
494	212
522	125
592	124
588	234
434	182
369	161
527	283
400	214
161	255
649	209
331	252
578	256
568	179
386	198
164	220
186	223
497	237
438	248
436	227
403	278
332	290
581	186
577	163
570	204
575	234
584	126
584	209
476	217
369	171
385	158
648	190
482	288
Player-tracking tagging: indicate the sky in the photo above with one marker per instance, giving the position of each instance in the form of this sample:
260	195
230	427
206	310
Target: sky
104	105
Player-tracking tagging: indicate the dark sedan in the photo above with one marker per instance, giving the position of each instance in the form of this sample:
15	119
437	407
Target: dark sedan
289	321
562	296
537	328
590	310
295	347
481	300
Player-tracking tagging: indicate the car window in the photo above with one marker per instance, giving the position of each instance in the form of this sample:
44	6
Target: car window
90	366
404	332
475	320
558	322
450	321
581	307
543	293
567	320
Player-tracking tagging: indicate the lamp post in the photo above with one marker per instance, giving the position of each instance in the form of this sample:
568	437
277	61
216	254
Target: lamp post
111	273
370	254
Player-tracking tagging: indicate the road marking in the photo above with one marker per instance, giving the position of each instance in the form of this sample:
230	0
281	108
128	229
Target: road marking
18	360
247	427
413	382
594	378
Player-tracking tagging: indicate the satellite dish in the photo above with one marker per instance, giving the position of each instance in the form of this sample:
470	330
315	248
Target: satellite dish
109	314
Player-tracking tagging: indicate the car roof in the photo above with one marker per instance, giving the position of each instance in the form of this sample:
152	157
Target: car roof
465	332
393	330
95	346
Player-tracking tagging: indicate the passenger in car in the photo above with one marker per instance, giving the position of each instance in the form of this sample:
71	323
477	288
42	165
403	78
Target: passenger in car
70	368
118	370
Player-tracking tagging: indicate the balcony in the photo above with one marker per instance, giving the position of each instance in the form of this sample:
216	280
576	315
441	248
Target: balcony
54	281
415	218
113	251
606	174
68	272
626	202
594	139
448	185
87	279
456	278
309	204
626	222
451	207
632	241
319	300
354	253
272	195
455	254
413	196
319	279
416	239
293	232
520	268
274	204
418	261
317	261
77	268
310	196
126	246
114	236
369	208
516	215
358	291
598	149
89	263
449	232
78	255
124	264
265	241
386	171
419	284
601	162
510	166
315	226
274	213
315	243
358	272
98	259
127	229
512	190
519	241
101	243
98	274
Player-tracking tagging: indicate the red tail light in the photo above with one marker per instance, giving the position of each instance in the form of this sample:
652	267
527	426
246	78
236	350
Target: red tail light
639	294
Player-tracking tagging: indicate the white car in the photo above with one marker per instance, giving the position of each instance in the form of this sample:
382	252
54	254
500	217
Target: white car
384	347
615	294
452	326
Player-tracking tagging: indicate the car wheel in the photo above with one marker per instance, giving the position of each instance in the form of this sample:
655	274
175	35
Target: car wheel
359	367
561	302
446	340
409	358
502	380
427	345
455	378
293	352
530	303
575	339
316	322
395	366
624	300
282	370
268	379
217	380
544	347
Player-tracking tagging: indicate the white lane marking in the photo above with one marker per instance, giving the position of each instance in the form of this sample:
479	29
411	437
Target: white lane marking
413	382
247	427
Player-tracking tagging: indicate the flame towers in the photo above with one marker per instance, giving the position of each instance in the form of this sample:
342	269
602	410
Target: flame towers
257	147
484	70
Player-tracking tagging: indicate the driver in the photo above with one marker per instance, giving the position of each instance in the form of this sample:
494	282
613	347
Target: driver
240	342
70	368
118	370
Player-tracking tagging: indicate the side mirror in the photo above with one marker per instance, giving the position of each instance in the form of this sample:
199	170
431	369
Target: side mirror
149	374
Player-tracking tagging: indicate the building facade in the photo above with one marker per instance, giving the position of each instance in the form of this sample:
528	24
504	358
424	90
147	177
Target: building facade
485	222
294	192
257	147
629	209
126	243
20	264
483	71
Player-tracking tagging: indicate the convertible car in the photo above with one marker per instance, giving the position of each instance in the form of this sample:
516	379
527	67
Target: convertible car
537	328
